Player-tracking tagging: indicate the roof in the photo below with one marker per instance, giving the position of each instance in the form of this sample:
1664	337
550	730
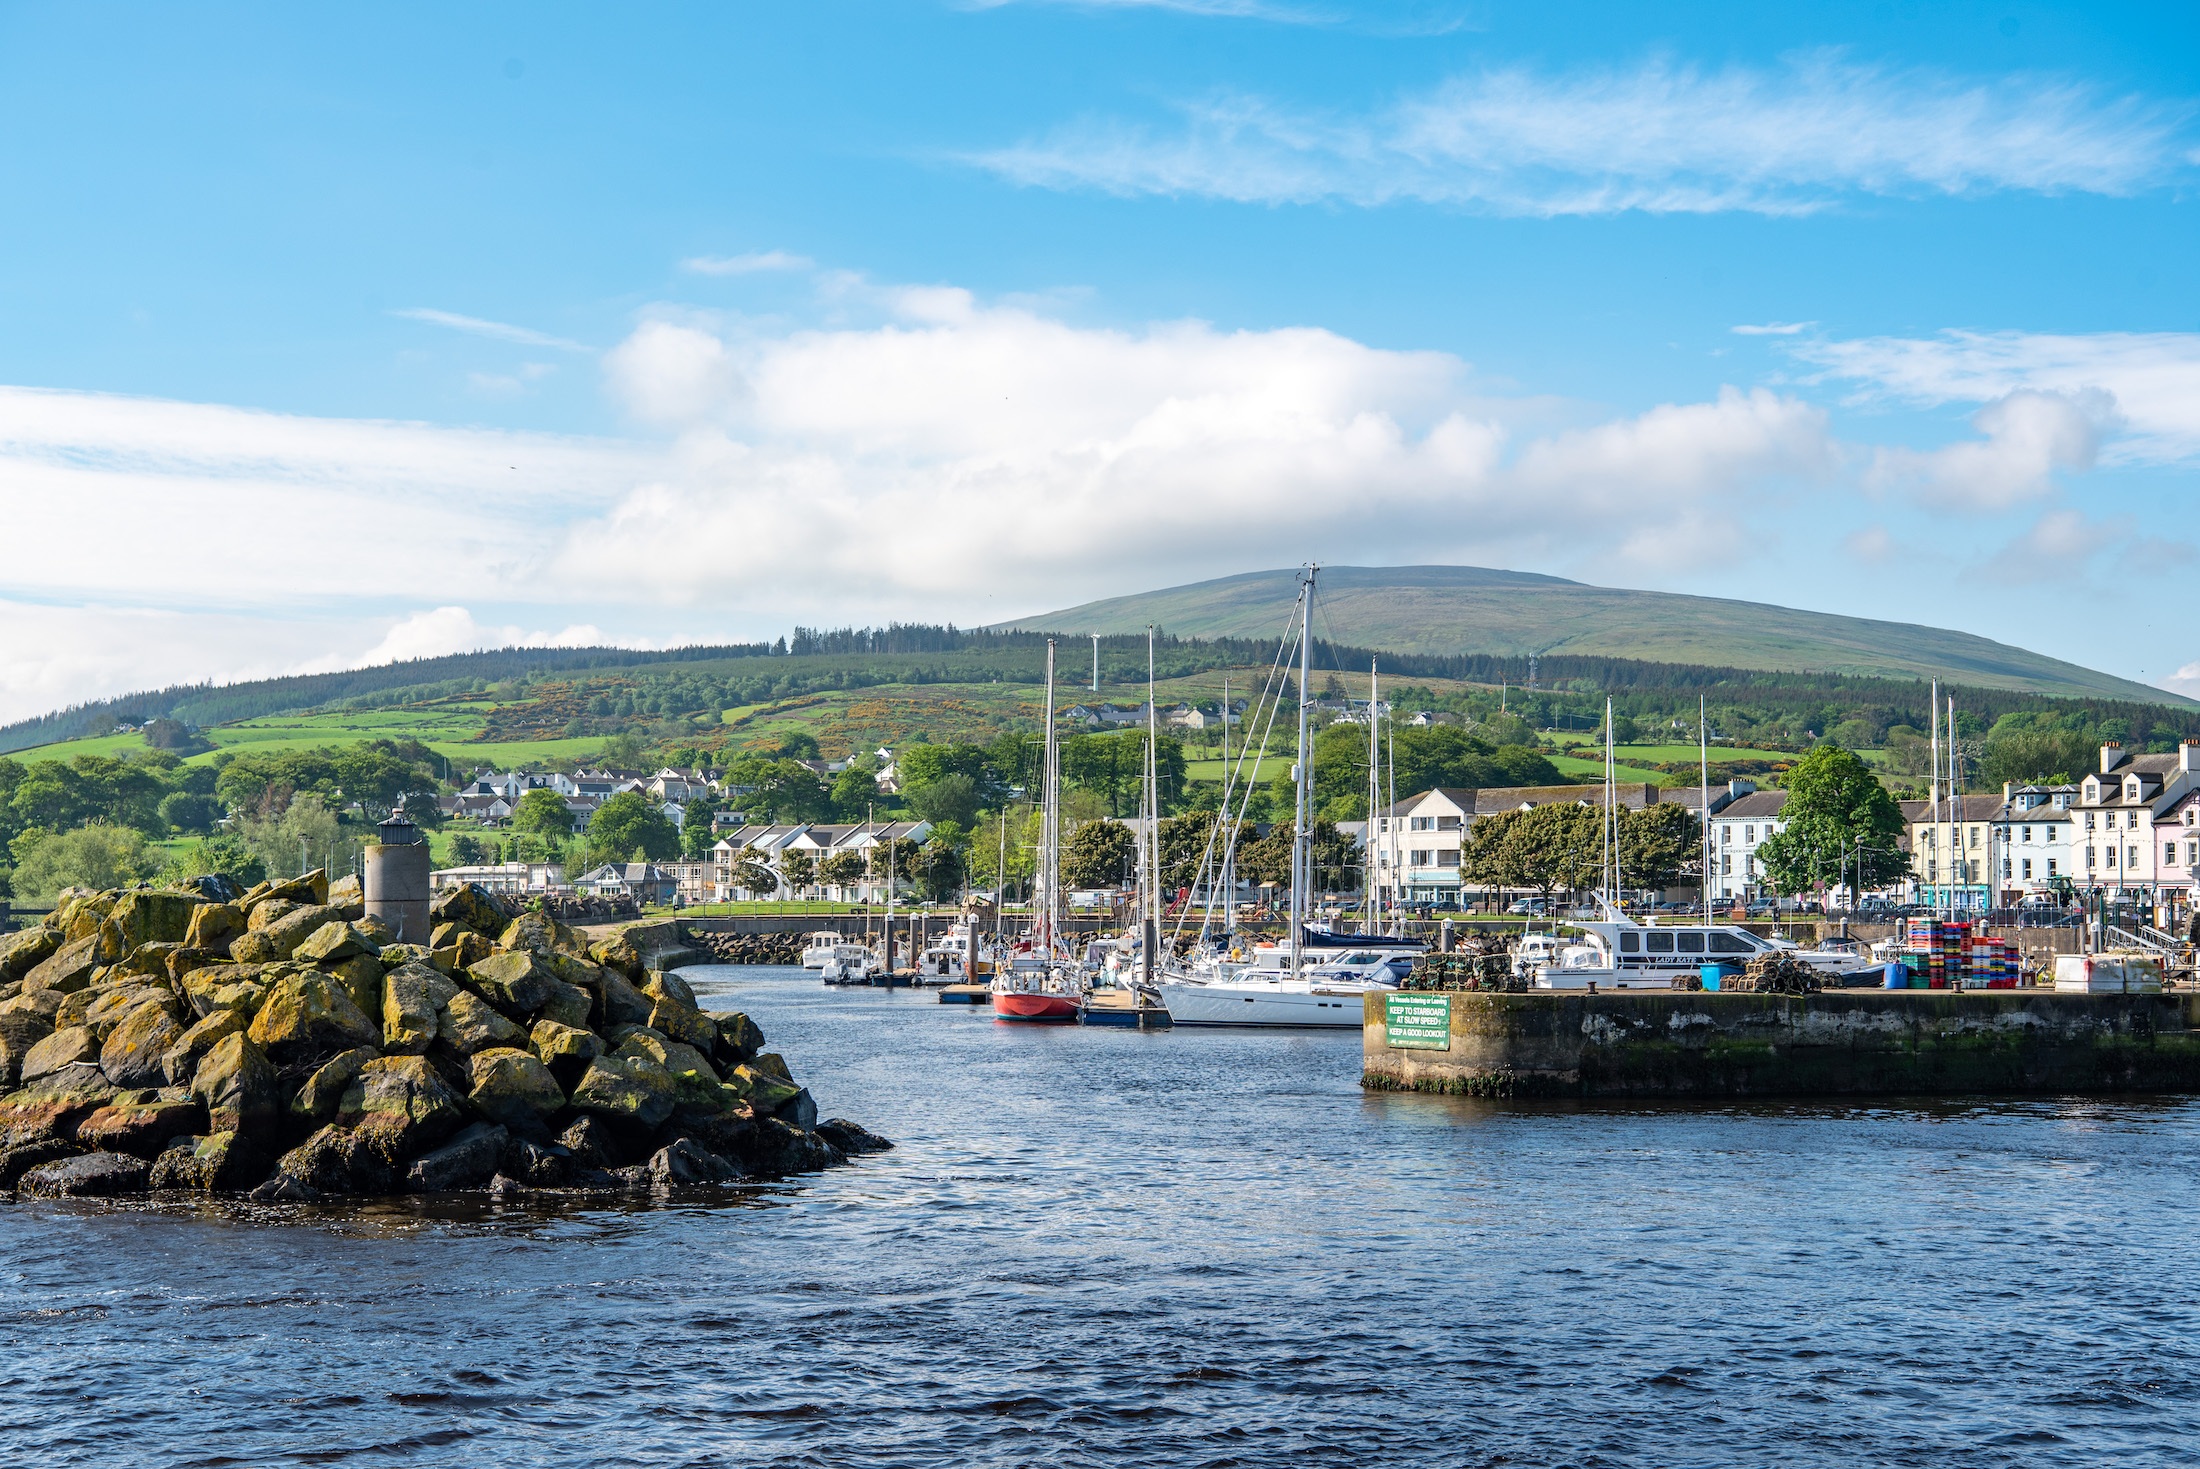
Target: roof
1756	805
1963	808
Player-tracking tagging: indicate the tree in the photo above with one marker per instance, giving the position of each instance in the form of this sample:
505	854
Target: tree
842	870
855	790
1837	817
1556	845
221	853
1185	842
1659	845
95	856
939	870
542	813
1098	855
951	797
1018	830
696	836
1111	766
753	875
468	851
630	828
305	835
798	867
192	815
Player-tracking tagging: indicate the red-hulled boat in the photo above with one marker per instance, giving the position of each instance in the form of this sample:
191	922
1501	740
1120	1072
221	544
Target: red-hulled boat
1024	1005
1038	981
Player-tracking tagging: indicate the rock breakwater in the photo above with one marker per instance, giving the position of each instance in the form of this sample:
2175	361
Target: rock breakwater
748	948
274	1041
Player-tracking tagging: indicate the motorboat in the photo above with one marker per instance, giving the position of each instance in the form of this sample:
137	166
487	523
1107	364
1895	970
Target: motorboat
1259	988
1616	952
851	964
817	948
947	960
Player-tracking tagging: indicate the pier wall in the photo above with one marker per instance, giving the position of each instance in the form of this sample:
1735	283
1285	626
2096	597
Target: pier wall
1837	1043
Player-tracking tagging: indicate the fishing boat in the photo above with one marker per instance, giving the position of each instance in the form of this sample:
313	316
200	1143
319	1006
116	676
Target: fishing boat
851	963
1039	980
818	947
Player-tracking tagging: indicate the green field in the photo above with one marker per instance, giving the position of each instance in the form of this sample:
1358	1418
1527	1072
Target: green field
449	730
1664	754
1594	769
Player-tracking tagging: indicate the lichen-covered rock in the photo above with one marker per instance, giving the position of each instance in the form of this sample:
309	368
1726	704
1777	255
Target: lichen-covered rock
514	982
634	1090
91	1175
538	1165
540	933
45	1004
69	968
71	1046
312	888
182	961
140	1129
154	916
254	948
467	1161
771	1063
413	995
396	956
292	929
592	1143
682	1022
469	1023
469	950
616	953
347	893
50	1107
135	1048
568	1004
214	926
361	978
267	912
474	906
227	987
512	1087
764	1092
182	1058
310	1015
337	1160
111	1001
402	1106
661	984
332	941
739	1039
221	1162
323	1092
238	1084
565	1049
849	1137
19	1031
22	952
619	1003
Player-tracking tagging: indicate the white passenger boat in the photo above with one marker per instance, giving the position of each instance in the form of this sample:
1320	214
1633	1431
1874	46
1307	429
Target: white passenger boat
850	964
1616	952
817	949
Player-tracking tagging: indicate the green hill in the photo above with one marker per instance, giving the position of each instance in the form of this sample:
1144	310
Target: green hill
1441	610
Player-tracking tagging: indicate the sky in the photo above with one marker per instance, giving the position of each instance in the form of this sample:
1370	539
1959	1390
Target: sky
333	335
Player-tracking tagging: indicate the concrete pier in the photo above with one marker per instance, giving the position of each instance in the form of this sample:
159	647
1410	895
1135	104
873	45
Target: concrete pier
1837	1043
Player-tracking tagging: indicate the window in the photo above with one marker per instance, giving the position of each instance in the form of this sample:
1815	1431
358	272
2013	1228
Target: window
2050	867
2111	851
1726	867
1658	943
2005	870
1423	823
1447	859
1691	943
2089	821
2131	857
1731	943
2169	854
1974	836
1932	872
1447	823
2028	869
1629	943
1749	834
2028	836
2192	854
1726	835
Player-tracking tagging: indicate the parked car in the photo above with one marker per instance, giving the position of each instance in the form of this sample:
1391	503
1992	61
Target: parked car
1527	907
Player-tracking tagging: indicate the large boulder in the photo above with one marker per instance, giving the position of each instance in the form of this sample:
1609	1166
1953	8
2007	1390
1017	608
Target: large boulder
68	968
361	977
22	952
239	1086
738	1038
541	934
763	1092
182	961
616	953
291	930
467	1161
337	1160
140	1129
469	1023
19	1031
568	1004
685	1161
512	1087
413	995
619	1003
662	984
592	1142
401	1106
214	926
109	1003
333	941
266	912
73	1045
49	1108
348	894
17	1161
695	1083
683	1022
317	1100
182	1058
308	1016
473	906
136	1048
514	982
92	1175
565	1049
312	888
154	916
633	1091
227	987
221	1162
849	1137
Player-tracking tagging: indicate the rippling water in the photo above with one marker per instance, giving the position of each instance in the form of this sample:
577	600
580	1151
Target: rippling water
1192	1248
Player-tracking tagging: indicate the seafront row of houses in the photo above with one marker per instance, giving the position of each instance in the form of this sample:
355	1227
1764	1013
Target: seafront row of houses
2132	826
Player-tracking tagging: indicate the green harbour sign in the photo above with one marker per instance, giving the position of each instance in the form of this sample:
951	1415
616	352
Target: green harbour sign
1413	1022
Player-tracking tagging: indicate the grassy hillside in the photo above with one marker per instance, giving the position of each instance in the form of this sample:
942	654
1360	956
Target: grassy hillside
1443	610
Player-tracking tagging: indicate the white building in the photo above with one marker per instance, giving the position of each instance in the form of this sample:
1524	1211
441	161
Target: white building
501	877
1737	831
2034	837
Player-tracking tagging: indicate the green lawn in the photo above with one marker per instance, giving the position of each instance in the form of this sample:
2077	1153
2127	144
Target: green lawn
1210	770
1568	765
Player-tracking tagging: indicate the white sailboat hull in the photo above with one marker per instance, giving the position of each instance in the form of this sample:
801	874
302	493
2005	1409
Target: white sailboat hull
1258	1003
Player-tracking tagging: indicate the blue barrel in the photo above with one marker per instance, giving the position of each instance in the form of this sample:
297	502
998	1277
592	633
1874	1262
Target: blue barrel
1898	976
1713	973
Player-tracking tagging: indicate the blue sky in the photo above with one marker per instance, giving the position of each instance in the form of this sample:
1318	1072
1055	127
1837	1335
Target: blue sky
350	334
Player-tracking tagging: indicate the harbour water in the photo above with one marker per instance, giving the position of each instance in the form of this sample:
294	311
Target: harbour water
1124	1248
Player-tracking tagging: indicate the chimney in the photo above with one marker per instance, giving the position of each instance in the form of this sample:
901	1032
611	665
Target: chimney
2188	756
2008	791
2112	755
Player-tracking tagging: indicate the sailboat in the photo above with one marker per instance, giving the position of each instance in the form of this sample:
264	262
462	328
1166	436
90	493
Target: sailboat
1313	978
1037	979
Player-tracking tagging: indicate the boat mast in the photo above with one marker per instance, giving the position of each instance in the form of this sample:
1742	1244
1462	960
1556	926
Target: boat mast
1374	795
1050	826
1703	754
1302	828
1609	879
1397	885
1151	799
1937	857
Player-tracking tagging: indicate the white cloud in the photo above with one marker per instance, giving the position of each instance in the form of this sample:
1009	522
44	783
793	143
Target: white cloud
2185	680
1872	544
2028	435
500	331
2151	379
1773	329
446	630
749	264
1660	137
